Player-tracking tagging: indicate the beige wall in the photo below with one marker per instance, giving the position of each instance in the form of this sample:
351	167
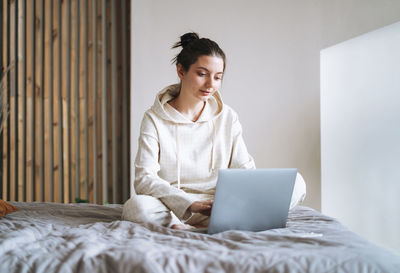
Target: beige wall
345	19
272	77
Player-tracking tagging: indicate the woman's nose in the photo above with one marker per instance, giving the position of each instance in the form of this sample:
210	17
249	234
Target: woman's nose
211	85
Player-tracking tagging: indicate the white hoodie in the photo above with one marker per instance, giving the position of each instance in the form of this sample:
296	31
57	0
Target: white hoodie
178	159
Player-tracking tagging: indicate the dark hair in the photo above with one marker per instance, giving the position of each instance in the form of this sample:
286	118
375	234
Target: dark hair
193	47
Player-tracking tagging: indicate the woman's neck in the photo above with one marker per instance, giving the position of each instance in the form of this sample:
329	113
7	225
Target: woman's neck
191	109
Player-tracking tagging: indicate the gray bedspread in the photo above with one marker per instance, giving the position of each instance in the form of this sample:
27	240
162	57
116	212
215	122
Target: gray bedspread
49	237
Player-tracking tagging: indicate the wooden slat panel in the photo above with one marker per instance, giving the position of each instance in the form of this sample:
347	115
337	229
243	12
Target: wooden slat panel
15	108
4	66
68	102
77	100
41	166
8	79
24	100
114	91
125	106
32	100
57	78
2	40
86	98
37	97
60	106
25	166
50	88
10	99
95	129
104	102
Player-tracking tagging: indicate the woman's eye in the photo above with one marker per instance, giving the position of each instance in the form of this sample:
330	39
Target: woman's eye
201	74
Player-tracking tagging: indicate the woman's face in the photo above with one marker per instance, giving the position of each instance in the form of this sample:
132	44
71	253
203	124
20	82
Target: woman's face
203	78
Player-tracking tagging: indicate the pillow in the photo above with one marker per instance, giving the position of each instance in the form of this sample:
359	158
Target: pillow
6	208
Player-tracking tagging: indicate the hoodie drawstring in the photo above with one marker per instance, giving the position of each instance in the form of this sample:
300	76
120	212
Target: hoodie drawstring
178	159
178	152
212	146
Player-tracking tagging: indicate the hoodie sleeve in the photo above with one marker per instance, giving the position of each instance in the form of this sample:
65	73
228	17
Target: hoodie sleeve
240	158
147	167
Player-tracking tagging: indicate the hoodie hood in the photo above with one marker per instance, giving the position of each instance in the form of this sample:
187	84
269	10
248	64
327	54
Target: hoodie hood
212	109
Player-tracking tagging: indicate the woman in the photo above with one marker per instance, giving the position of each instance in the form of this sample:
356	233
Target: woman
185	138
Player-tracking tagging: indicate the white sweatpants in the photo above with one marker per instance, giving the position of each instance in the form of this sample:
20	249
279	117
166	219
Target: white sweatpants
146	208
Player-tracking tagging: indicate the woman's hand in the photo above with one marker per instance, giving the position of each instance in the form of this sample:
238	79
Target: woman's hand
203	207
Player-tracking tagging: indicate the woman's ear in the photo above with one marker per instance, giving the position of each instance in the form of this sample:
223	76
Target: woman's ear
180	71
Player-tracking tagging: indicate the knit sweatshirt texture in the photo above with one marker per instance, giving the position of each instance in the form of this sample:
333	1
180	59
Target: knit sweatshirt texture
178	159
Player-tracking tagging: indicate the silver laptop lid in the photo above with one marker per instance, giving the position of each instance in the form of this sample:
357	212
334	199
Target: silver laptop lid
253	200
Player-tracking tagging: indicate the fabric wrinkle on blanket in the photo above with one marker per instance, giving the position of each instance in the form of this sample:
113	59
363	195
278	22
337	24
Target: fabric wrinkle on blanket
49	237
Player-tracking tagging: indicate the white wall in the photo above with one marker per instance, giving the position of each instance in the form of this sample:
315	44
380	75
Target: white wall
360	134
272	77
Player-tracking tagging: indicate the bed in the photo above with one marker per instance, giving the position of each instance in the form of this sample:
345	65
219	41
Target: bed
51	237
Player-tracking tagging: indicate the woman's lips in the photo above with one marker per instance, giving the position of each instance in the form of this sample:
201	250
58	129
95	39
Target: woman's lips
205	93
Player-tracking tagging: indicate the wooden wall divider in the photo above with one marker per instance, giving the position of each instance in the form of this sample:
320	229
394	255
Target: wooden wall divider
66	136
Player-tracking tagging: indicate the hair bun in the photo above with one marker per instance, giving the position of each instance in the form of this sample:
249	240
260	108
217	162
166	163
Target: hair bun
186	39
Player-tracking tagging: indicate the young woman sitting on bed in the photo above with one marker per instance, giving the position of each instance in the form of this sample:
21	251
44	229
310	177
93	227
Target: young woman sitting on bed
185	137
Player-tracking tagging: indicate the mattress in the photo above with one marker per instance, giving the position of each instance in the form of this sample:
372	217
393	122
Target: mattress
50	237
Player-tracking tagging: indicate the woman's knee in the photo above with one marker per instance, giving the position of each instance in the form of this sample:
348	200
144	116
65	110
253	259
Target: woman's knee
299	191
145	208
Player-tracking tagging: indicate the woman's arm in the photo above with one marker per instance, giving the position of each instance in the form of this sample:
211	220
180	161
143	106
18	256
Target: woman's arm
147	167
240	158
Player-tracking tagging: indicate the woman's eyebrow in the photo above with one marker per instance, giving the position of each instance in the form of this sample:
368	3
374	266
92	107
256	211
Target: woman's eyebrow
201	67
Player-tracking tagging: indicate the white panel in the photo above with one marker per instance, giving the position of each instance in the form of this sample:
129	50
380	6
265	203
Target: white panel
360	134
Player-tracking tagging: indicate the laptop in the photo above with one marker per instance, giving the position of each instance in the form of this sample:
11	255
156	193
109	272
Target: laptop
251	199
